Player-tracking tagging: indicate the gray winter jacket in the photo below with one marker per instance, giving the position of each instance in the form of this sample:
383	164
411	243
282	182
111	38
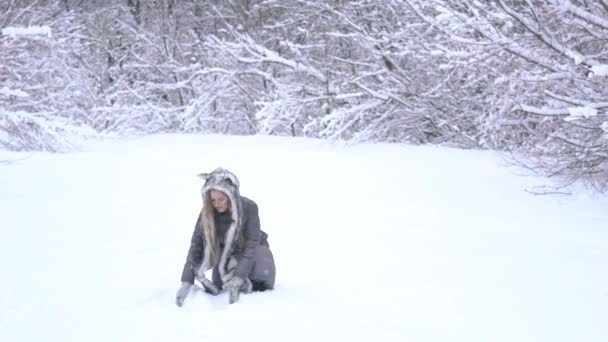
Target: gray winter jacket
250	234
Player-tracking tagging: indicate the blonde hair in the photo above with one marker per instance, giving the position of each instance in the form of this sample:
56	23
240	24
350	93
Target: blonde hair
209	229
208	220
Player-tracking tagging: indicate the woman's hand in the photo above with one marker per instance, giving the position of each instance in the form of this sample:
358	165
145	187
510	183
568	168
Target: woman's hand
182	293
235	285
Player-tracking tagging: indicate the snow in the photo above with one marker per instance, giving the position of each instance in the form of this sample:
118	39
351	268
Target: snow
577	57
372	243
599	70
577	112
13	92
27	31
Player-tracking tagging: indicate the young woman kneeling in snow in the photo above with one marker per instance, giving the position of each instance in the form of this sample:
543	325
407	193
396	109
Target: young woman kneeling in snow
227	238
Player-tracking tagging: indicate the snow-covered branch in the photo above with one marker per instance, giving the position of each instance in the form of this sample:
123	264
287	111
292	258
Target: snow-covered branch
260	54
27	31
586	108
568	6
547	39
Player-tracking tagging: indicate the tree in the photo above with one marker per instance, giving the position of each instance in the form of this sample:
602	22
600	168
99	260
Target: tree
45	94
549	62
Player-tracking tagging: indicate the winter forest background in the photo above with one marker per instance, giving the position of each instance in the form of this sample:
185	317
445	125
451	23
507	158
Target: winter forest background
525	77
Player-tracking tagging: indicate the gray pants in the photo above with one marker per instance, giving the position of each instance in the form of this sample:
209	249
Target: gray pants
262	273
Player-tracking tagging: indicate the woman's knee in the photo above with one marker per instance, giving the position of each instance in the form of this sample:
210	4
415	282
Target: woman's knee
264	269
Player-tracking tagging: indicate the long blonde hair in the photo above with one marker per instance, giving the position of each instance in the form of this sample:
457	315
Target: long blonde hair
208	220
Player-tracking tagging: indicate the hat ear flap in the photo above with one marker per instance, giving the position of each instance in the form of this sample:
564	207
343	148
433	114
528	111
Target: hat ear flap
232	178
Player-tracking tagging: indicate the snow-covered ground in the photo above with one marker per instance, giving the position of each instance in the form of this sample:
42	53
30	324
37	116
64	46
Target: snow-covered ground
372	243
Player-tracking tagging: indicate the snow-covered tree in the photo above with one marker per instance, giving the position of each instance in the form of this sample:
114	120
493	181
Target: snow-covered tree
548	60
522	76
44	93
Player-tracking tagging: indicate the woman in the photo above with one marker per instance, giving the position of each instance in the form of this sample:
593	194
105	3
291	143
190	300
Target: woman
227	238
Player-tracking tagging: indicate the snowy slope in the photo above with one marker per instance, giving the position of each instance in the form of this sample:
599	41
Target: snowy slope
372	243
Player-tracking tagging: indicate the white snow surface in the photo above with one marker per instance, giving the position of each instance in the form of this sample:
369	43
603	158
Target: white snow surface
372	243
13	92
585	111
27	31
600	70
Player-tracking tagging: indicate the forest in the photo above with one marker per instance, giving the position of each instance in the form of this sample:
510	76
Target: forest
527	78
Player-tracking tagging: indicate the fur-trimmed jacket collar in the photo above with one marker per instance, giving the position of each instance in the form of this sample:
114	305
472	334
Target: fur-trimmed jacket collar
222	180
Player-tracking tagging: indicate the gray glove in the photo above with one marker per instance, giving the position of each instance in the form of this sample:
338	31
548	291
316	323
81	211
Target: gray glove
182	293
235	286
